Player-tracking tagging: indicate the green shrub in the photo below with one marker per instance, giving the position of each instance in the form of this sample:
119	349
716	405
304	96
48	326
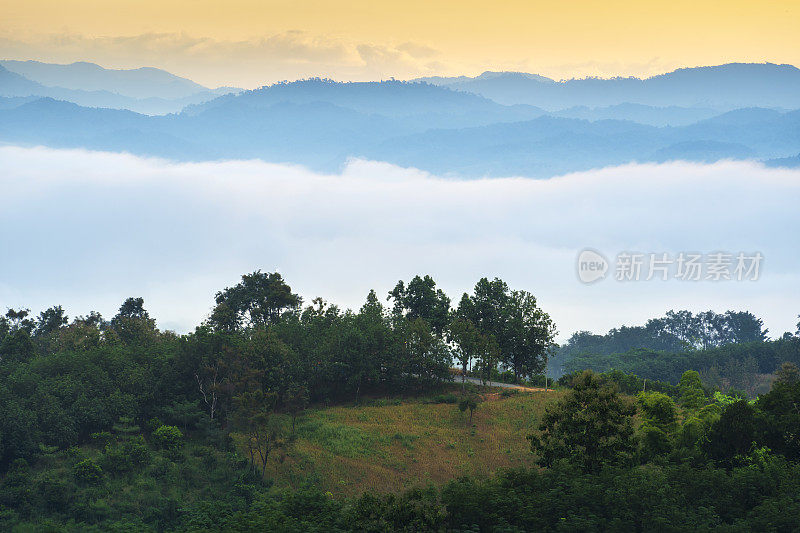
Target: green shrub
445	398
87	471
168	438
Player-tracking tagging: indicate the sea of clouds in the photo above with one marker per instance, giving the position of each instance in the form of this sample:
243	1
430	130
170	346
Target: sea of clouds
88	229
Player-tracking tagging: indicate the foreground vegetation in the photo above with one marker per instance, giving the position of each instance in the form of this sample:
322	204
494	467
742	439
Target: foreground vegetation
275	417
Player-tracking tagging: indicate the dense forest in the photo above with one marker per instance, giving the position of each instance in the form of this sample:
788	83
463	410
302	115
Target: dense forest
117	425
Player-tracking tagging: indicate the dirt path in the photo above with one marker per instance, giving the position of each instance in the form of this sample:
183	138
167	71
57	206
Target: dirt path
477	381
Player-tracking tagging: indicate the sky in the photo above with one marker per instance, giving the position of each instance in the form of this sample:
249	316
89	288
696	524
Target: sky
248	43
88	229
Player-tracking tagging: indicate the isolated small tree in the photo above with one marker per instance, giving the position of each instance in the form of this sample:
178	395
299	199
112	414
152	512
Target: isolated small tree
296	400
468	403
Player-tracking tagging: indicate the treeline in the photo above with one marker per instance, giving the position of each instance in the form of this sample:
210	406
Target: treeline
747	367
675	332
259	352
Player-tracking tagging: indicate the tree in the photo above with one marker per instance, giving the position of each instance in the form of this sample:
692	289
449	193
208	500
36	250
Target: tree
743	326
50	321
468	340
733	434
488	356
691	390
425	355
262	433
658	409
421	299
259	299
788	373
781	410
659	423
168	438
468	402
590	427
16	320
295	400
524	333
529	336
133	323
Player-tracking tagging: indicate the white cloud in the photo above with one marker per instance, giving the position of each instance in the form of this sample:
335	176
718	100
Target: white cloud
87	229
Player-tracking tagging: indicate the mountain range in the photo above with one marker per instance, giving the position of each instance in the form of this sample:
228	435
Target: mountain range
429	124
722	87
145	90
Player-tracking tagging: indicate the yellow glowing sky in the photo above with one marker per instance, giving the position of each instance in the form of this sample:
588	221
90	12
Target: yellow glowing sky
247	42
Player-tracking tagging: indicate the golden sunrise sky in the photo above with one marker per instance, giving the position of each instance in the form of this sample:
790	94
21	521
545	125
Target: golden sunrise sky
249	43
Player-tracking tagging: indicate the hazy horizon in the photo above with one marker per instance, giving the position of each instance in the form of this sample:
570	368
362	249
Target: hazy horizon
473	73
244	44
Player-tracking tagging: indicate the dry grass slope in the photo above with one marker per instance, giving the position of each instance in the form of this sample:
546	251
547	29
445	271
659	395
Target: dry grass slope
393	445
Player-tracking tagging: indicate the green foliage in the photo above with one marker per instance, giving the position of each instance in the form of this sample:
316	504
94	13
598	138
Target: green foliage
126	456
788	373
781	418
88	472
168	438
522	331
445	398
590	427
734	433
76	395
739	365
658	409
421	299
692	395
259	299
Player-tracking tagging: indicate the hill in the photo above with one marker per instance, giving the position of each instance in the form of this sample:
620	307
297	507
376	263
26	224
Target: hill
723	87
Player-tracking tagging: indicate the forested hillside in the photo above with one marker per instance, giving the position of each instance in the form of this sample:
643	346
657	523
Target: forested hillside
277	415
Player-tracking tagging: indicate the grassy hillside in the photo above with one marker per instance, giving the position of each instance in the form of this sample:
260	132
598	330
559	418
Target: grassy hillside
388	445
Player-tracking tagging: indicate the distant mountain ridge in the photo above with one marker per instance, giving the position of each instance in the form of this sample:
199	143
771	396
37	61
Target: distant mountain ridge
145	90
322	123
144	82
722	87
